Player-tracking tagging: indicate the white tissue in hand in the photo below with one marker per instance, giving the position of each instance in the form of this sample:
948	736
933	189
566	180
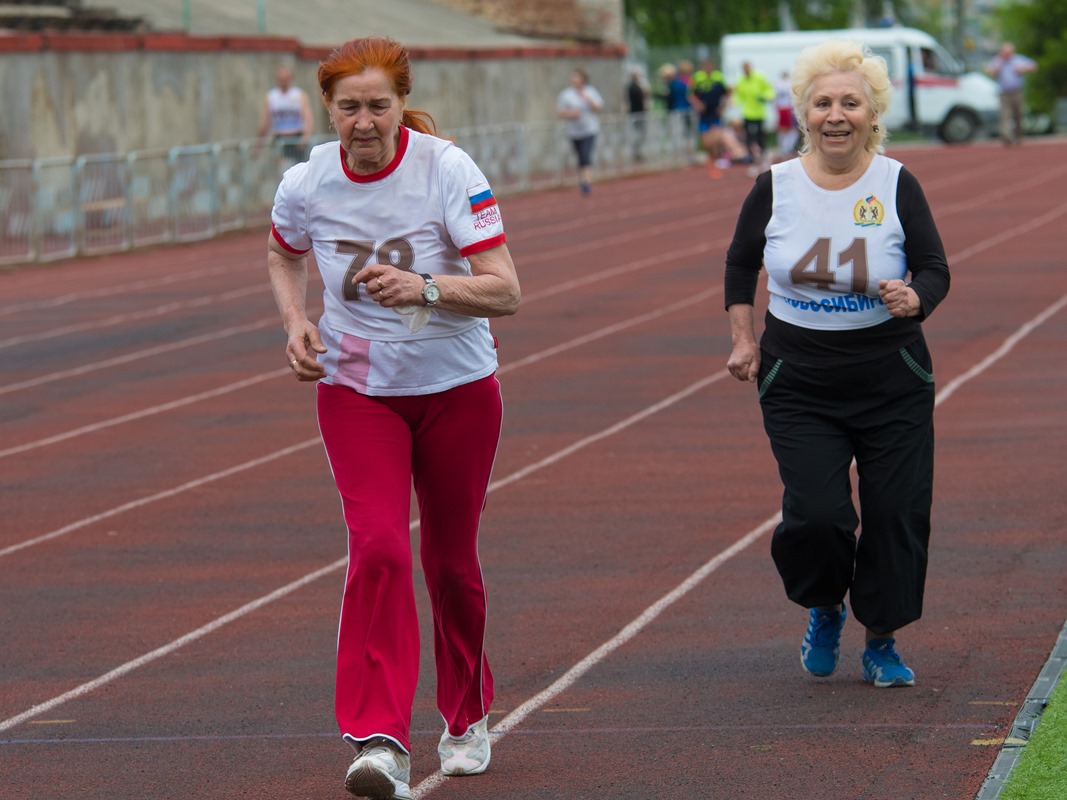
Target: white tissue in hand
417	316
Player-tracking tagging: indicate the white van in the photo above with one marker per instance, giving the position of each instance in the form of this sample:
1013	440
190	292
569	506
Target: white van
932	91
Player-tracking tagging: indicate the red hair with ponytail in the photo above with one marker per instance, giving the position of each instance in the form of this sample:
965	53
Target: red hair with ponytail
374	52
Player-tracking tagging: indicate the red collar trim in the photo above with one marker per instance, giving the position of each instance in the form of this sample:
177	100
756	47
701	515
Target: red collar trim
388	169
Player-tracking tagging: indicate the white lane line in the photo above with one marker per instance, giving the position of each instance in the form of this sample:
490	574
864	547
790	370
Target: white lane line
569	345
146	412
643	620
1009	233
248	608
642	234
167	649
1006	347
285	371
997	195
122	288
527	299
212	337
163	495
146	313
608	330
655	408
676	202
569	678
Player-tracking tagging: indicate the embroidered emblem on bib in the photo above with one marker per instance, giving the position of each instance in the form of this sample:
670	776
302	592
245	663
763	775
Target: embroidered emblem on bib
868	211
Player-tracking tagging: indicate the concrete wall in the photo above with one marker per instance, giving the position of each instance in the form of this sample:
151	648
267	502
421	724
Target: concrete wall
73	94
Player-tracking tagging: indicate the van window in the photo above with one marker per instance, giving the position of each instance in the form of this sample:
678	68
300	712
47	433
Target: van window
937	60
888	53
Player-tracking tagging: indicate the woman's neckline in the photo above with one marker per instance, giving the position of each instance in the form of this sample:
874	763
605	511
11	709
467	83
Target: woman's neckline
835	181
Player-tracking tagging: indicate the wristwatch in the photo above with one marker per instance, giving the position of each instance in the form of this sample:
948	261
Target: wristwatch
431	292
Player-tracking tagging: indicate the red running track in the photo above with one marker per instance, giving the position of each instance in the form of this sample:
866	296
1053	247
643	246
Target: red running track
171	550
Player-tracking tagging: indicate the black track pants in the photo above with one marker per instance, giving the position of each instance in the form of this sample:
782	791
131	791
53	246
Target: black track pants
818	418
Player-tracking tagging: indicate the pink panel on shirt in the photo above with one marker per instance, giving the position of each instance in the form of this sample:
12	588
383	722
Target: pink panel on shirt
353	365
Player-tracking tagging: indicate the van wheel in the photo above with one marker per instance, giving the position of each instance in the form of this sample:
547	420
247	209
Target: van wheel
960	125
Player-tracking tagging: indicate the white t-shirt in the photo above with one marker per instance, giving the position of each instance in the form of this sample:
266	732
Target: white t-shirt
426	211
587	123
286	114
827	250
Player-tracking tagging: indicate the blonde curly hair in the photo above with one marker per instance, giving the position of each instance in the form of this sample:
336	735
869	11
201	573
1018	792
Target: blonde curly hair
842	55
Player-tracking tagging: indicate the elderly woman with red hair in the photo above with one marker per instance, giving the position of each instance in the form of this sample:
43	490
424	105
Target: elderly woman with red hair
409	241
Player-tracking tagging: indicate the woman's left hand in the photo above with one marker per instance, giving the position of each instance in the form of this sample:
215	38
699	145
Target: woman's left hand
491	290
390	287
899	298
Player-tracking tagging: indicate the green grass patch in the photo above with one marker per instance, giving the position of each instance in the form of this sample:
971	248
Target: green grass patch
1041	773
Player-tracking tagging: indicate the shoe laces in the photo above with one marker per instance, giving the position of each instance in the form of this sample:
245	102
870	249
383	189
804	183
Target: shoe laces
376	745
887	653
824	627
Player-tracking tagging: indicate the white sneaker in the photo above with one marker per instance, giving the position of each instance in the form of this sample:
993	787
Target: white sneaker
467	755
381	771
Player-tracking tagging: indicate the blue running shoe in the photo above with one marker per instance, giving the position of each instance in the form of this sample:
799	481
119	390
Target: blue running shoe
883	667
822	642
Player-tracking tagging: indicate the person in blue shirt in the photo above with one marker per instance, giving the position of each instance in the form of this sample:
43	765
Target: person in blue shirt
675	90
1007	68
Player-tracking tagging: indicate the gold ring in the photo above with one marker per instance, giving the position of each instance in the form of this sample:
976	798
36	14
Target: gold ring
293	362
379	284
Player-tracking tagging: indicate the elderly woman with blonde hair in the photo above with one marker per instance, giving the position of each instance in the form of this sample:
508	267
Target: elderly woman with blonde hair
854	264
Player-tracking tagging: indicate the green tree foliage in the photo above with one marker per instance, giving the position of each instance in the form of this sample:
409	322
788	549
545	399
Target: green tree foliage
826	14
675	22
1038	29
664	23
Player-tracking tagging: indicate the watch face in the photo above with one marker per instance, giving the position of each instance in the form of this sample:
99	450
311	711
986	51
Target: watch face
430	293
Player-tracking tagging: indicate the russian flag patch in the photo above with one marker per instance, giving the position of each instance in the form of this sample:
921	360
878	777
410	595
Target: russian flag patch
481	197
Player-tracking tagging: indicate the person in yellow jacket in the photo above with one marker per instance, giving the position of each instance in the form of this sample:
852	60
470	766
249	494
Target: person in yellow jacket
705	77
752	92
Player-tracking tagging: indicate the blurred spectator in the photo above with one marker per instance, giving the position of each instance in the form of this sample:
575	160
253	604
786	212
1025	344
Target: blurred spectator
637	97
579	104
708	95
752	92
1007	68
787	121
287	117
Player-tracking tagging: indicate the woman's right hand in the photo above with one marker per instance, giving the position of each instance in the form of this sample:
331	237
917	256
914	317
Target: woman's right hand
744	361
304	342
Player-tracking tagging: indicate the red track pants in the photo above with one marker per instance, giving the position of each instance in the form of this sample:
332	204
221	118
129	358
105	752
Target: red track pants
377	446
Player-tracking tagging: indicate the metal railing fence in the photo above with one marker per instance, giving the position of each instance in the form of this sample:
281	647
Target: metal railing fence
55	208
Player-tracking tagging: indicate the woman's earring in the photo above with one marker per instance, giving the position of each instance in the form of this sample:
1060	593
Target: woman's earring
875	128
